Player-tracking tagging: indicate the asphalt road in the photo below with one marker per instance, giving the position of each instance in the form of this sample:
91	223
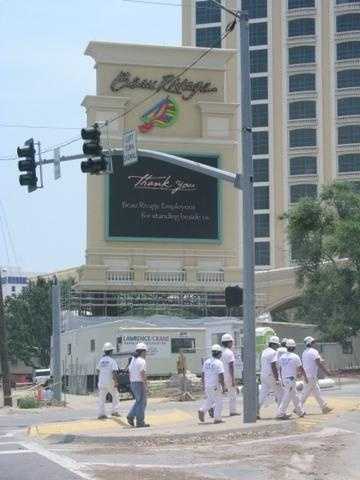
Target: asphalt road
317	447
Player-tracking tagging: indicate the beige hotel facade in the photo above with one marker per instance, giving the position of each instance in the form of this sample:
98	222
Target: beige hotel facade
305	88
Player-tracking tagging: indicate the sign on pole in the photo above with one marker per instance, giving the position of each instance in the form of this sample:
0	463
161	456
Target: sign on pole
57	170
130	147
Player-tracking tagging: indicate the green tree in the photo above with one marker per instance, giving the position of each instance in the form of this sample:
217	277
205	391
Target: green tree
29	323
324	235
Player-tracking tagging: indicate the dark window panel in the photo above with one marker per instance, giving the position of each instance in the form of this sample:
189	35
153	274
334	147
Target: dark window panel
299	55
259	88
262	253
208	37
260	115
348	50
258	33
258	61
302	82
303	165
261	198
348	22
301	26
349	134
207	12
262	225
303	109
303	137
255	8
342	2
348	78
349	162
306	190
261	169
292	4
348	106
260	143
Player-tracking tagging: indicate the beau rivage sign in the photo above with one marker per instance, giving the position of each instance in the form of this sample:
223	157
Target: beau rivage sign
167	83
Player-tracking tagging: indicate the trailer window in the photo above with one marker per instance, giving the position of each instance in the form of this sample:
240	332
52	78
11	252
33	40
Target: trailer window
92	345
187	345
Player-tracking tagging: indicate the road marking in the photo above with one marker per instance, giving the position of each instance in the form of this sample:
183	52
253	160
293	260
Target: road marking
14	452
65	462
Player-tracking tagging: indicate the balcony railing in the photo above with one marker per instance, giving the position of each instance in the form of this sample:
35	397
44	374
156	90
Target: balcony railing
125	277
165	278
210	277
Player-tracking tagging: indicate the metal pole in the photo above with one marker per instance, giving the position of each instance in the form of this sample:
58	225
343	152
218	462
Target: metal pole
6	383
245	137
56	352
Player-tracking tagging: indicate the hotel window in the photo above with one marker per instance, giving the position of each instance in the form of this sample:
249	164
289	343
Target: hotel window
299	55
261	169
260	115
304	109
262	225
303	166
208	37
306	190
261	198
258	33
349	134
293	4
258	61
348	106
92	345
255	8
302	82
301	27
262	253
349	162
69	348
259	88
348	50
348	23
260	143
303	137
341	2
348	78
207	12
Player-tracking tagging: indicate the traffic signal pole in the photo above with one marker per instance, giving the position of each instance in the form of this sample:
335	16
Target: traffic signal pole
56	340
5	369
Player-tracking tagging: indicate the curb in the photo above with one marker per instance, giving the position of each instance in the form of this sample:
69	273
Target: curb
264	431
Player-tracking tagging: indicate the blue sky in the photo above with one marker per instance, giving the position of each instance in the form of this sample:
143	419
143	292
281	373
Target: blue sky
44	77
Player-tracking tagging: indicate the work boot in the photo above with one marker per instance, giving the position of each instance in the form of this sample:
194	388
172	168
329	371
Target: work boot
102	417
130	420
115	414
142	425
218	421
201	416
211	412
283	417
327	409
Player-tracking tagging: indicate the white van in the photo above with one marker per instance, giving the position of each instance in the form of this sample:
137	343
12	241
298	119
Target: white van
41	375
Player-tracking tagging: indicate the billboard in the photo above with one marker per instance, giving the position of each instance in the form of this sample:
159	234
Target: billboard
155	200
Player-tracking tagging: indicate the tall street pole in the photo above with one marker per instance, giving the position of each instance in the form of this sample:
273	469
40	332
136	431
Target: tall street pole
245	140
56	345
5	370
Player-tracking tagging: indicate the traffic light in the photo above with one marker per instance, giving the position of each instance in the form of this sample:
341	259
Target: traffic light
28	179
233	296
91	146
94	167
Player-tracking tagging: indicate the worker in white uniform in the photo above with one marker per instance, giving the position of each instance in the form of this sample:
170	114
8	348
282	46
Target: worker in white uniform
283	343
106	369
228	359
290	369
213	385
312	361
269	376
139	387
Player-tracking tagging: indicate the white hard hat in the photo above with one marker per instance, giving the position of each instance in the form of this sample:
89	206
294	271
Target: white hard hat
141	346
284	340
290	343
281	350
227	338
216	348
309	340
274	339
108	346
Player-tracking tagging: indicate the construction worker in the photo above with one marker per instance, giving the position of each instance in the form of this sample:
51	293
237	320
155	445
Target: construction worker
228	359
138	383
106	369
269	376
283	343
290	369
312	361
213	385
